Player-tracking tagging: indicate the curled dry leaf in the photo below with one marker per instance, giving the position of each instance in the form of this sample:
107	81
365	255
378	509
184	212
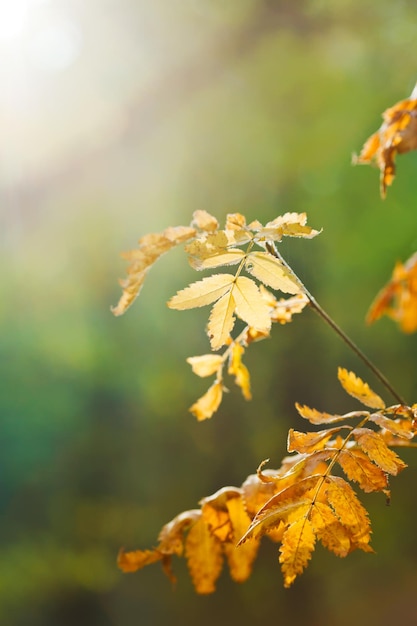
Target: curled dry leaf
397	135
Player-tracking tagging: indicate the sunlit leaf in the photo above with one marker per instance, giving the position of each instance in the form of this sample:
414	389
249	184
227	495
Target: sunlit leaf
202	292
204	221
133	561
221	321
206	364
271	272
375	447
239	370
332	534
297	546
204	557
359	468
209	402
240	558
309	442
250	306
360	390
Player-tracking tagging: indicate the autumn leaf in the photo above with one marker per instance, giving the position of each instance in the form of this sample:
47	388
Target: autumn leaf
204	557
359	468
204	221
309	442
240	558
271	271
221	321
202	292
296	549
398	299
239	370
360	390
397	135
375	447
151	248
209	402
399	428
318	417
206	364
328	528
135	560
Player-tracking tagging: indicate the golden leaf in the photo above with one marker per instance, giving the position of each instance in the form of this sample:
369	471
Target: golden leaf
216	514
202	292
133	561
171	535
332	534
256	492
229	257
399	428
206	364
360	390
204	557
240	558
151	247
349	511
297	546
250	306
208	403
359	468
375	447
289	224
204	221
280	506
221	321
398	299
397	134
239	370
271	271
317	417
309	442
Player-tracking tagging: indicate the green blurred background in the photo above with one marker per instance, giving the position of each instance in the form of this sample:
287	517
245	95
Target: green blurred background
119	118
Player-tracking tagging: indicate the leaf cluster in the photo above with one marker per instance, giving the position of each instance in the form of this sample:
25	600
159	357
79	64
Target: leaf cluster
301	503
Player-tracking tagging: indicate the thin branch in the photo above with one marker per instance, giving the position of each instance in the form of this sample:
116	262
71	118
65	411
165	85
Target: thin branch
326	317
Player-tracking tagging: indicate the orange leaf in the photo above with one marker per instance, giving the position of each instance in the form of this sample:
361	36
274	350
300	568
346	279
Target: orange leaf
309	442
239	370
204	557
360	390
318	417
398	299
297	546
359	468
240	558
133	561
375	447
209	402
349	510
329	530
397	134
216	513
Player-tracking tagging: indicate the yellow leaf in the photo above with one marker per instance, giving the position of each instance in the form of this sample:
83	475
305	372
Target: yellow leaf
221	321
309	442
212	250
250	306
280	506
317	417
204	221
133	561
375	447
204	557
206	364
151	247
329	530
359	468
240	558
257	492
297	546
355	386
208	403
349	511
270	271
202	292
216	513
171	537
399	428
229	257
239	370
235	221
289	224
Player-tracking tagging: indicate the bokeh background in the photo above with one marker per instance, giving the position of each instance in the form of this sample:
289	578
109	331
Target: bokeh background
119	118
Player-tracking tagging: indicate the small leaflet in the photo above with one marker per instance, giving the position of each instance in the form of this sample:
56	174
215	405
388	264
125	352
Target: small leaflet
360	390
208	404
206	364
202	292
271	272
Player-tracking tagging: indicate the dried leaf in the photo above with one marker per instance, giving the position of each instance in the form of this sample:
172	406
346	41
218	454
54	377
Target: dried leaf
360	390
240	558
375	447
204	221
206	364
133	561
317	417
297	546
208	403
151	248
329	530
271	271
250	306
239	370
309	442
398	299
399	428
349	511
216	513
202	292
171	536
397	134
359	468
204	557
221	321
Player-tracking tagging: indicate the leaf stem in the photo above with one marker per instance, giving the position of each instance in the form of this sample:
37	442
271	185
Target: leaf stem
326	317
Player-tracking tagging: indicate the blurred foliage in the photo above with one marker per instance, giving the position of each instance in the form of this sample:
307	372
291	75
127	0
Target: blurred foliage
252	106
